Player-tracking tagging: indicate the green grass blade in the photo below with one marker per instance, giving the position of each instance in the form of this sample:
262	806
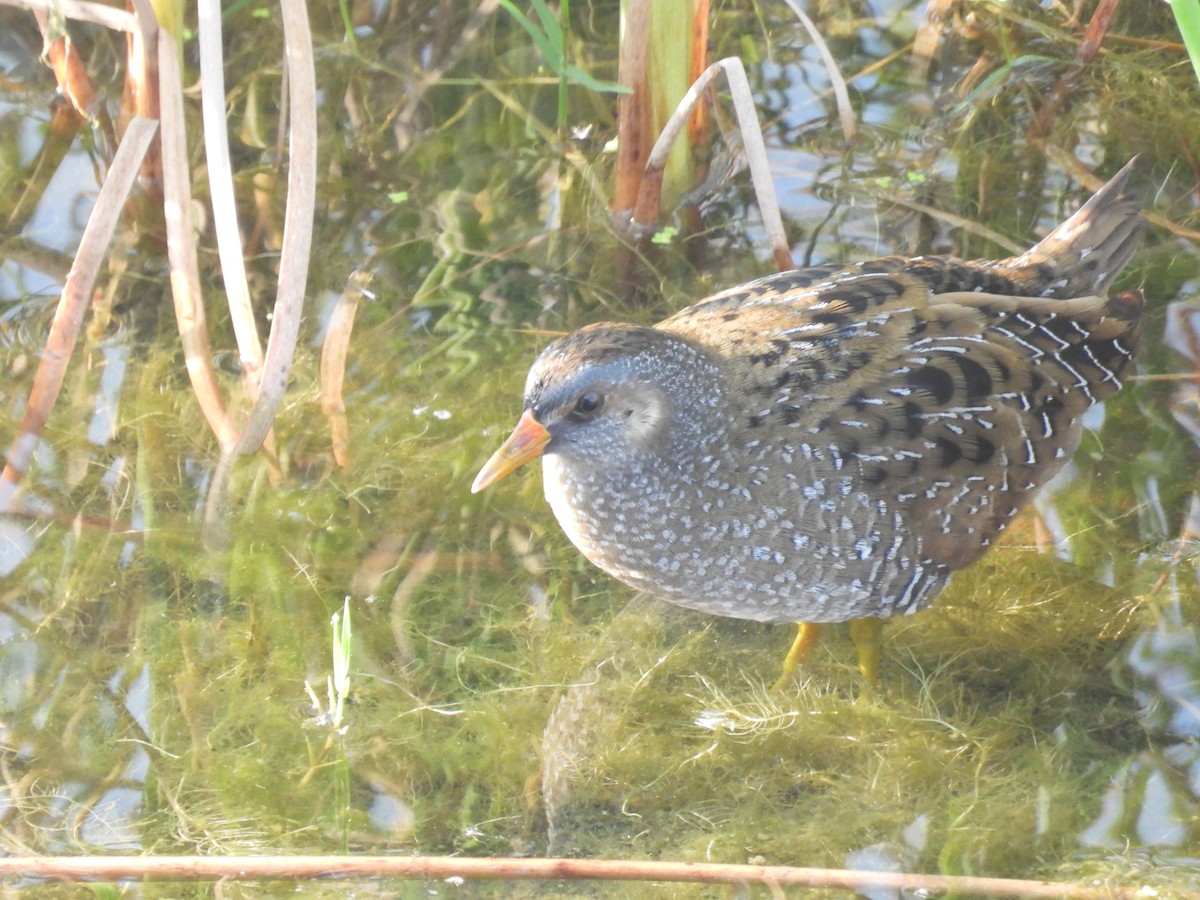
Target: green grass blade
1187	17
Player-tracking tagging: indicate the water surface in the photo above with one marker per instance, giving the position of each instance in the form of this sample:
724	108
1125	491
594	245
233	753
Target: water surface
165	693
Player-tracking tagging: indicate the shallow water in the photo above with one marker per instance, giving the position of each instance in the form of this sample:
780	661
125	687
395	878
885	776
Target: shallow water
163	693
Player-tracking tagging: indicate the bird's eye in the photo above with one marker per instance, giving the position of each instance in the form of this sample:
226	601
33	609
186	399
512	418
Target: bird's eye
587	405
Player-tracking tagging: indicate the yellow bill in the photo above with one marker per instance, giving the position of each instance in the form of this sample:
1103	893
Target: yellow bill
527	442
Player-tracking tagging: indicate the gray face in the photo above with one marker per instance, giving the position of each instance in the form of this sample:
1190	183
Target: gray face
617	396
607	415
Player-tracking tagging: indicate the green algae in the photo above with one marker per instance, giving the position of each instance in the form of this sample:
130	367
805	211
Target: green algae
506	697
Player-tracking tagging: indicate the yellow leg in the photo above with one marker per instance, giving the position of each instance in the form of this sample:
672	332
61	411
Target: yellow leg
866	636
806	638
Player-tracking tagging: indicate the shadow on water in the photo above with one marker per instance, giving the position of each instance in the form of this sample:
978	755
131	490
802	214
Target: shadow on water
505	697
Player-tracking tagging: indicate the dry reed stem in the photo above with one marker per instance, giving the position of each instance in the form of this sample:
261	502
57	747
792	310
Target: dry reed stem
300	111
145	22
74	83
247	868
297	224
836	81
224	206
57	140
633	115
928	38
97	13
220	181
77	292
181	247
334	351
700	124
646	210
140	96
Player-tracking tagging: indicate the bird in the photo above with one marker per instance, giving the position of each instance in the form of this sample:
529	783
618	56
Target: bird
830	444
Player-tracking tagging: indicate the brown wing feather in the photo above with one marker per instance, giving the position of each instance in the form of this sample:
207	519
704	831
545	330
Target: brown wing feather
956	405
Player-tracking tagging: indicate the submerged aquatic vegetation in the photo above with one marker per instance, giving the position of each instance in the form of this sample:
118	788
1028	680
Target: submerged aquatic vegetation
153	693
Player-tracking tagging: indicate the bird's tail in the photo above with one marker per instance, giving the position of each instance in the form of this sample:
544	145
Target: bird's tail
1087	251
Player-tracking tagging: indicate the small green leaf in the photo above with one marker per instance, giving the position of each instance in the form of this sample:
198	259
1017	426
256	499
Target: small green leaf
665	235
578	76
552	54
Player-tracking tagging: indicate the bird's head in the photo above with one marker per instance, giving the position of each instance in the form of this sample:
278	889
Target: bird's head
607	397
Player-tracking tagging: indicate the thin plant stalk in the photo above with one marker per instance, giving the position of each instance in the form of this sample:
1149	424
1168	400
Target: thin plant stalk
224	206
58	138
181	248
77	293
646	211
300	77
74	83
845	109
564	15
220	182
339	690
1089	47
297	225
335	348
348	24
260	868
141	95
96	13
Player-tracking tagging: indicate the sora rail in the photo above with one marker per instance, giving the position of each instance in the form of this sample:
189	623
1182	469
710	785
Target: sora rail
830	444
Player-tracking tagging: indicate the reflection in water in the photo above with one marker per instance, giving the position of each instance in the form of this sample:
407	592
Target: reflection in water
53	737
1152	803
892	856
1154	800
112	821
1165	662
587	722
16	543
152	690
